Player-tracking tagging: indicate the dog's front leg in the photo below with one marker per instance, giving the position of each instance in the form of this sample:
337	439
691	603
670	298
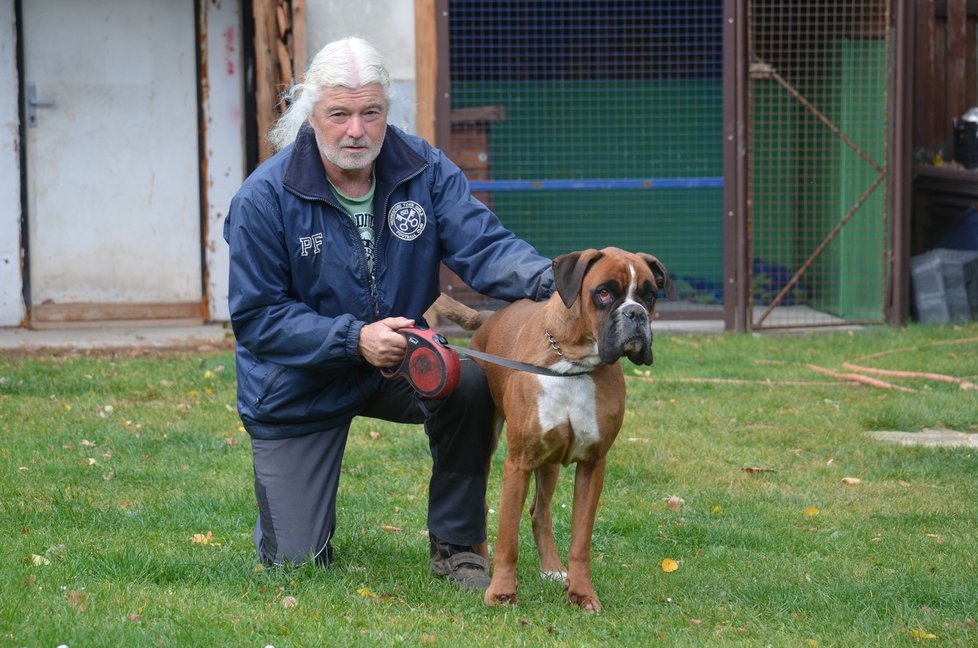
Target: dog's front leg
542	516
516	482
588	482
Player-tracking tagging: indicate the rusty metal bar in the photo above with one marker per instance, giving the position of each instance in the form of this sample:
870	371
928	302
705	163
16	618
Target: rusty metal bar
900	163
821	247
825	120
737	291
811	325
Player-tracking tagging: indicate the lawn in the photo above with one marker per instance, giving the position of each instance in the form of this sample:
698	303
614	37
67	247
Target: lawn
746	504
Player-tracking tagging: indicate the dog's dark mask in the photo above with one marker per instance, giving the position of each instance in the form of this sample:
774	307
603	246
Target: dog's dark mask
633	337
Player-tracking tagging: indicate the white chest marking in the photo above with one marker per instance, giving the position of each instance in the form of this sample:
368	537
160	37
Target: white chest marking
569	400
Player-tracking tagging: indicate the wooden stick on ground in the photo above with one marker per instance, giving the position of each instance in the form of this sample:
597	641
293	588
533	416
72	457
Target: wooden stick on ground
960	382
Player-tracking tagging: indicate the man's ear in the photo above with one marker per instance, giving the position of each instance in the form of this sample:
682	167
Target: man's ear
569	271
661	275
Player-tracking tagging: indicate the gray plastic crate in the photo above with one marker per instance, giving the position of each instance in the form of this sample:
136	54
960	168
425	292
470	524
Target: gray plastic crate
945	285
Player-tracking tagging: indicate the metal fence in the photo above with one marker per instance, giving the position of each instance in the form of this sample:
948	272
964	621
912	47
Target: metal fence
589	123
586	123
819	227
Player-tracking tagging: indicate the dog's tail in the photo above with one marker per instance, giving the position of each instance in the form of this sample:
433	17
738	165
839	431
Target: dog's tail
455	311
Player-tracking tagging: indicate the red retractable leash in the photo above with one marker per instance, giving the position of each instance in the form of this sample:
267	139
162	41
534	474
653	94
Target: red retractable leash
429	365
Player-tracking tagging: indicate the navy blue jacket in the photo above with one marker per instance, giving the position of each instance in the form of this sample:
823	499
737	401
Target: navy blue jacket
301	290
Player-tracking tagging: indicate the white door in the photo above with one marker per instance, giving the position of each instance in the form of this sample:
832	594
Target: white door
113	205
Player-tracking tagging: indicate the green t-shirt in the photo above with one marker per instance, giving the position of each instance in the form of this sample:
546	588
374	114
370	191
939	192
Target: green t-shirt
361	211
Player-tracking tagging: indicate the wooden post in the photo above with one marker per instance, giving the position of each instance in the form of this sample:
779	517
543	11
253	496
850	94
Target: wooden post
426	65
280	59
300	47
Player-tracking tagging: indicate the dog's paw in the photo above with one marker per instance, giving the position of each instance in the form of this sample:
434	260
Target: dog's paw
587	602
500	599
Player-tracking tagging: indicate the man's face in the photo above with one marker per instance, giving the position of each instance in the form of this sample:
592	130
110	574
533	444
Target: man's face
350	126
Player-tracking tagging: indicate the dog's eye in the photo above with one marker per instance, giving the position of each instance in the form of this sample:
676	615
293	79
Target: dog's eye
603	296
649	298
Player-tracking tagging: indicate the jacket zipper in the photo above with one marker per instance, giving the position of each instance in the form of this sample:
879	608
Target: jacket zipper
361	253
371	279
378	231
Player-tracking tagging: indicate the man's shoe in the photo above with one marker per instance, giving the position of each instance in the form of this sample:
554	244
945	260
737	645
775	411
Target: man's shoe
459	564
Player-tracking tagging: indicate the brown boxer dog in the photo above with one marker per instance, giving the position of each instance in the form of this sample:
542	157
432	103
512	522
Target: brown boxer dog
602	310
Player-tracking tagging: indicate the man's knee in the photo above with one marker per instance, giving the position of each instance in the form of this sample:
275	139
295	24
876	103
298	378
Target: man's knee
474	385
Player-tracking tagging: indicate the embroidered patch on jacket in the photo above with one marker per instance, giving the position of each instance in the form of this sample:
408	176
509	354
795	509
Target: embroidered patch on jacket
314	243
406	220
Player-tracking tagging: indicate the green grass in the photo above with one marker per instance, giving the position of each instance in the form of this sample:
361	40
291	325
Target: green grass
110	464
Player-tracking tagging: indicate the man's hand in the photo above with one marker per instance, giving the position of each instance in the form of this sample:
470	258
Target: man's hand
381	345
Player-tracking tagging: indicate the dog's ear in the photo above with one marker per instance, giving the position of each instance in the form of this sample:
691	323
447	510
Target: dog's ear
569	271
661	275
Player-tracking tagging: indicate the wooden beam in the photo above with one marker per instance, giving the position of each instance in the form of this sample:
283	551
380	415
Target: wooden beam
426	65
266	95
479	114
300	47
92	314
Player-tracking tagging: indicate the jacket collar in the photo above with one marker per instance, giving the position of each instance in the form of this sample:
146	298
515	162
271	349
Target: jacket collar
306	177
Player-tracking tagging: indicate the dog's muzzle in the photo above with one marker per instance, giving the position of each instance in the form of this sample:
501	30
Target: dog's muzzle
628	335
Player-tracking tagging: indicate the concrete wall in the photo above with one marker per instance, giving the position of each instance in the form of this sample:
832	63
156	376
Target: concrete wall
11	283
389	26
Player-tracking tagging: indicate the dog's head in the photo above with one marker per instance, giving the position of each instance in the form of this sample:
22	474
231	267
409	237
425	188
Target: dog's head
616	293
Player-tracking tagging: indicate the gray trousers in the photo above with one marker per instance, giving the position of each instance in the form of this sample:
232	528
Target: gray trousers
296	479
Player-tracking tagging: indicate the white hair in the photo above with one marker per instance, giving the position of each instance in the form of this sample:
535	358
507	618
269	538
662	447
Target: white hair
348	63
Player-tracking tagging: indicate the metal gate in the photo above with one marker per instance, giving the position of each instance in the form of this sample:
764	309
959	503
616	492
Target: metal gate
819	227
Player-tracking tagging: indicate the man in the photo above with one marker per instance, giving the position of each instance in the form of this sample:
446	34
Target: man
335	244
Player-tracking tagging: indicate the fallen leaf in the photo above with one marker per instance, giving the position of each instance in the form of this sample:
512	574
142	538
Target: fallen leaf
40	561
750	470
669	565
78	600
851	481
135	617
810	511
674	503
200	538
367	593
289	602
387	527
375	435
920	634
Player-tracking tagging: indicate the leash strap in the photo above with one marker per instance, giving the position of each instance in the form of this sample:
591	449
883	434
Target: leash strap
506	362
